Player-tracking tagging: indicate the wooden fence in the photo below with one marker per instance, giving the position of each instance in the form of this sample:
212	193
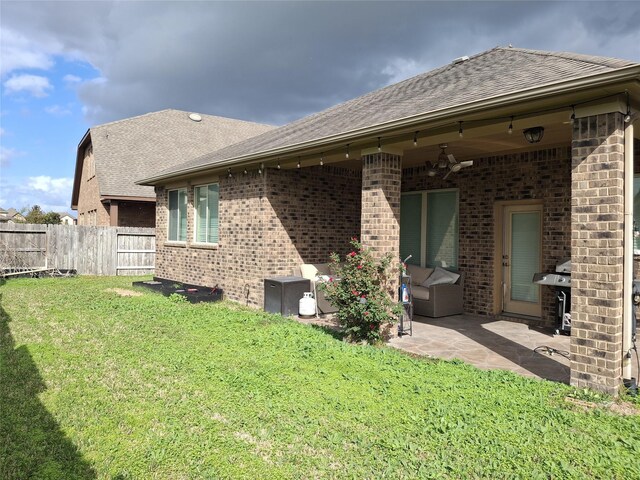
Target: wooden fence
87	250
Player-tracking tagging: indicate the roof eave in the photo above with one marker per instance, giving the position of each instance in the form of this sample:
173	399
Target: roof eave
75	192
631	72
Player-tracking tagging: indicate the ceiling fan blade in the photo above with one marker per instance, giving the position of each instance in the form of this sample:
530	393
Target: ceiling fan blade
466	164
448	173
451	158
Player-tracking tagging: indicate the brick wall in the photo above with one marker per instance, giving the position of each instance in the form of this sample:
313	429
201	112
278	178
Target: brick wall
137	214
544	175
89	194
269	224
597	260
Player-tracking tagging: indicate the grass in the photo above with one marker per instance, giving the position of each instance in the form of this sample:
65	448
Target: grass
95	385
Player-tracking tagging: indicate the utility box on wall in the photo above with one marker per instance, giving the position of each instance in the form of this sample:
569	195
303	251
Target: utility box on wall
282	294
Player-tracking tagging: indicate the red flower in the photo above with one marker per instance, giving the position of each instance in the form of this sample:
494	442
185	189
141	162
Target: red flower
363	296
366	313
359	267
354	239
355	292
352	254
331	279
372	326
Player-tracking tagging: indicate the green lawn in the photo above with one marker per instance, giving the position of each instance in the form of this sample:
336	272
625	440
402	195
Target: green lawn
95	385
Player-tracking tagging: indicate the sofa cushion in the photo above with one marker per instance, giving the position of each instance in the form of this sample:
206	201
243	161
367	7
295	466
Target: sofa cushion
441	276
308	271
421	293
418	274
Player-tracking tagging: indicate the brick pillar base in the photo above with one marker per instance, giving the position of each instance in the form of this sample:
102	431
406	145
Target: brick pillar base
597	224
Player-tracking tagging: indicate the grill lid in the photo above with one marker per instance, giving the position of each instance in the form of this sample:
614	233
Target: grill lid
553	279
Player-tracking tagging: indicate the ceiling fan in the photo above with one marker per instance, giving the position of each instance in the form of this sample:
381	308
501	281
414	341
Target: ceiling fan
447	161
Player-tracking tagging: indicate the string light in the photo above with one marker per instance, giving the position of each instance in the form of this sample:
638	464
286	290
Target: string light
322	159
627	117
298	163
460	132
245	171
229	172
346	155
379	145
510	130
415	139
261	168
278	166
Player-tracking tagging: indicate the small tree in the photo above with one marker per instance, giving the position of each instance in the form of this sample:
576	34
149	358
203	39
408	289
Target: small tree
36	215
362	292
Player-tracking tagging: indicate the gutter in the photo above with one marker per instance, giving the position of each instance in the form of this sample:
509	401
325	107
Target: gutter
595	81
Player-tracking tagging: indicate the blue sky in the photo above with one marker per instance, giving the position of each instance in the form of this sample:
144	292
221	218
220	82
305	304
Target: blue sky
65	66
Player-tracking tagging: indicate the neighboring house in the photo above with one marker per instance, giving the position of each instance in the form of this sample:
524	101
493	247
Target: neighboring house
371	167
66	219
112	156
11	216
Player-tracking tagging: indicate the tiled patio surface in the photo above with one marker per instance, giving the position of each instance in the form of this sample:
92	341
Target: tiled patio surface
488	344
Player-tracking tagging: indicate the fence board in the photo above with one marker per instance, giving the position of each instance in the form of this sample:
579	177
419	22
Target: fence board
88	250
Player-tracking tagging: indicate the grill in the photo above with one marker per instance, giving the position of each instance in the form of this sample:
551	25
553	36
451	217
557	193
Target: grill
561	281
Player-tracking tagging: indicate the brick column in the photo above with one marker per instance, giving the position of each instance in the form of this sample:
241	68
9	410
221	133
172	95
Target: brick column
597	224
380	214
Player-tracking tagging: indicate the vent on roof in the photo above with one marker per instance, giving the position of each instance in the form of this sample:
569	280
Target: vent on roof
195	117
460	60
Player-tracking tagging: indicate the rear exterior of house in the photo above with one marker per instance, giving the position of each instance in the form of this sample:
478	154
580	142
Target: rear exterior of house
369	168
110	157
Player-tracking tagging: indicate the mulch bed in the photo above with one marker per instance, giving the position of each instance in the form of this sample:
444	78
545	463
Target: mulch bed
193	293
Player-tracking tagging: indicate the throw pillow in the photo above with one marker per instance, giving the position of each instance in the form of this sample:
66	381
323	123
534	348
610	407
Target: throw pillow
441	276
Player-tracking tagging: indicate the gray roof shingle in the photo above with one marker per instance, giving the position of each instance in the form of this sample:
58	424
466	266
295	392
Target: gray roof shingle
139	147
499	71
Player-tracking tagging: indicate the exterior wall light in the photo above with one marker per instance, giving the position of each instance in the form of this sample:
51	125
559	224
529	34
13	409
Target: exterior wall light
534	134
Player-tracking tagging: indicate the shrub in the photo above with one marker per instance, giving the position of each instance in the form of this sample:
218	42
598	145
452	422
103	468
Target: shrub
363	292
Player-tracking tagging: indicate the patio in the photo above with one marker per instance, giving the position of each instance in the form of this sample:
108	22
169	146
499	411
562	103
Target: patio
488	343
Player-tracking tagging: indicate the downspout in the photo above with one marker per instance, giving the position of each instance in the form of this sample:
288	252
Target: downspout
628	252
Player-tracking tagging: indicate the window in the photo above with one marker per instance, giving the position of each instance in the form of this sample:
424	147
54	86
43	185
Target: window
206	204
429	228
178	215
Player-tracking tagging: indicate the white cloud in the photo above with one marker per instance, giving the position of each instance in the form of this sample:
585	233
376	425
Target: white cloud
8	154
18	52
36	85
49	185
57	110
2	132
71	79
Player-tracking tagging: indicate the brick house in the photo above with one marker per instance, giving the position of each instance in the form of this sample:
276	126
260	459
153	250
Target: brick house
111	156
263	206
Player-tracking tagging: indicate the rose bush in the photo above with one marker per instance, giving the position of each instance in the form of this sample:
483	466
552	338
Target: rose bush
362	290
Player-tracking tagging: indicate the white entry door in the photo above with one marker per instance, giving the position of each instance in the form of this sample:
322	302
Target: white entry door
521	258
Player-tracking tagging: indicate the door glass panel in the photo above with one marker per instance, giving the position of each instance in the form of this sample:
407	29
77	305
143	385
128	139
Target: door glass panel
410	227
525	256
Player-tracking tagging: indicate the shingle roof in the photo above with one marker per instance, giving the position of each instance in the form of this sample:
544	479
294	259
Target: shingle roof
139	147
499	71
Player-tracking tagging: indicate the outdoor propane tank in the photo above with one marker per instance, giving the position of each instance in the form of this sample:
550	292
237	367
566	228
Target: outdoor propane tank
307	305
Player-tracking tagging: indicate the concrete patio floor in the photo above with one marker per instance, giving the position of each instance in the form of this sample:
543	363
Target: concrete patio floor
487	343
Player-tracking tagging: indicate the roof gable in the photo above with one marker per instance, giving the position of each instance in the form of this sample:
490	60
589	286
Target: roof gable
137	147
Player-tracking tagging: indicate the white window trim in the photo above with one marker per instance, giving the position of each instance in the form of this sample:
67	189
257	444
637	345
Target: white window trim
194	207
177	242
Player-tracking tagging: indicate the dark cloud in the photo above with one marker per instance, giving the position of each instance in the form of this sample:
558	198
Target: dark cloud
275	62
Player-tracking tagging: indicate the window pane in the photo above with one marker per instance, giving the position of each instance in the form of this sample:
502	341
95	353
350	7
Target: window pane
525	255
201	214
213	213
410	227
442	229
173	215
182	198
